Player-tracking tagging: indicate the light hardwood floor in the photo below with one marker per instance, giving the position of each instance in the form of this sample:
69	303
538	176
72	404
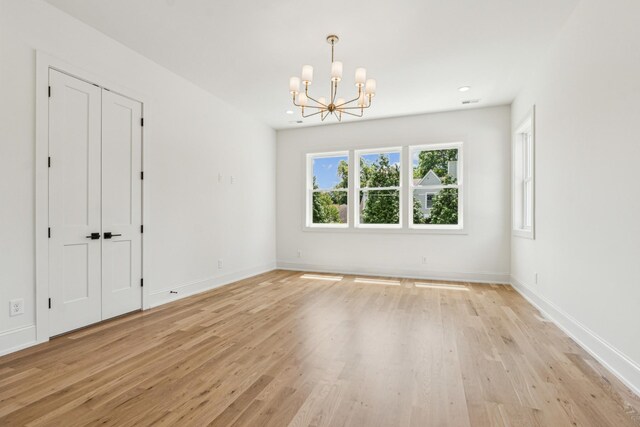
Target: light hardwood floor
279	349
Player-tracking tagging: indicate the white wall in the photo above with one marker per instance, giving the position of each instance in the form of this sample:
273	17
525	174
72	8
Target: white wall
587	246
191	220
480	254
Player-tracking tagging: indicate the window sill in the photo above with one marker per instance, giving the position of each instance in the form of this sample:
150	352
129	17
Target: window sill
386	230
324	227
525	234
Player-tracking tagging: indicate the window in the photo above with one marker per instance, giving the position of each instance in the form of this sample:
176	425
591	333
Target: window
328	190
523	178
375	193
378	187
428	200
436	186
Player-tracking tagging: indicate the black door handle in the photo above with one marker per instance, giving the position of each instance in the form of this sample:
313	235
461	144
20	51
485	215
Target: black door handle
108	235
93	236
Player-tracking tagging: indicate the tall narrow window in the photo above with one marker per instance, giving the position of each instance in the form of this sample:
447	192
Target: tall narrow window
328	189
378	187
436	186
523	178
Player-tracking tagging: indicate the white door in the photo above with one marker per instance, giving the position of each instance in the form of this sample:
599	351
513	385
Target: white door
74	203
121	204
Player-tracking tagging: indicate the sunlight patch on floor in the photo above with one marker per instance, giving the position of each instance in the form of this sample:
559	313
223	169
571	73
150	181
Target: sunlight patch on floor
441	286
377	281
321	277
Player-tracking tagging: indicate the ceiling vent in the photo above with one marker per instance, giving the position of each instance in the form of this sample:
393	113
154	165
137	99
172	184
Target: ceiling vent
470	101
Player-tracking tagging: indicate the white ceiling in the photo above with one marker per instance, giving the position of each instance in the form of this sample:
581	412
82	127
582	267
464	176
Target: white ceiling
419	51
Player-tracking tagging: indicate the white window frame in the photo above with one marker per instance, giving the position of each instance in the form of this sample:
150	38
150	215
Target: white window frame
309	189
460	186
523	178
356	184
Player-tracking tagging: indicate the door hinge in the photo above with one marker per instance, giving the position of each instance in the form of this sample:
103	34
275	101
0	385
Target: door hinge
49	161
49	302
142	175
141	121
49	91
142	228
49	232
141	283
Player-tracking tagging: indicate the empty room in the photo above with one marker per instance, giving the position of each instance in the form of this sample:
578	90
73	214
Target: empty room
295	213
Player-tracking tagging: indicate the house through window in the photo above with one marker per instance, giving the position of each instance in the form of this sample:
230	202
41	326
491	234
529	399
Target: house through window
436	186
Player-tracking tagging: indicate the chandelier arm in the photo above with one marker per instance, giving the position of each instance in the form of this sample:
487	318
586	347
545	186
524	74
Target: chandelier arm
322	117
348	102
355	108
312	114
317	102
358	108
306	92
352	114
315	106
351	100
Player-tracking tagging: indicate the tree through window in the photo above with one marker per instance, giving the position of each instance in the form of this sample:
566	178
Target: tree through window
328	188
436	185
379	185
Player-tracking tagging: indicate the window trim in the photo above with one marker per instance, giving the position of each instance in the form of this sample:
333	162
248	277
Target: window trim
406	216
519	211
459	227
309	190
356	187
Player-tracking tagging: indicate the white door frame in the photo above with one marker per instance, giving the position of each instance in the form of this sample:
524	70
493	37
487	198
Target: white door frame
43	63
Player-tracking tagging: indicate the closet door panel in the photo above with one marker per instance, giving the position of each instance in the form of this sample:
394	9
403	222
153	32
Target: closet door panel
74	203
122	204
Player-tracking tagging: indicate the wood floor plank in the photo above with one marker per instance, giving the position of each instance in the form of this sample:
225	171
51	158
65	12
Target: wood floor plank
288	349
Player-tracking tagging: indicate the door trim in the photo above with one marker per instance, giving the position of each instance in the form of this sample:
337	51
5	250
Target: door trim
44	62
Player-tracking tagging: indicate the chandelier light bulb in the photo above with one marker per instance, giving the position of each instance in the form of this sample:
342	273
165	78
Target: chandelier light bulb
362	100
294	85
307	74
370	87
336	71
361	76
302	99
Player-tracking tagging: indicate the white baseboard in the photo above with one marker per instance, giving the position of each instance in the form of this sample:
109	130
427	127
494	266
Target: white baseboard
191	288
500	278
620	365
17	339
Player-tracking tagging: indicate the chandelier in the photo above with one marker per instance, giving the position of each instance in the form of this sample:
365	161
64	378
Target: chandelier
332	105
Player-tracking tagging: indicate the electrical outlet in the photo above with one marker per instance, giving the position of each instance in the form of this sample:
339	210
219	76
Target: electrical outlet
232	179
299	253
219	177
16	307
424	259
220	263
